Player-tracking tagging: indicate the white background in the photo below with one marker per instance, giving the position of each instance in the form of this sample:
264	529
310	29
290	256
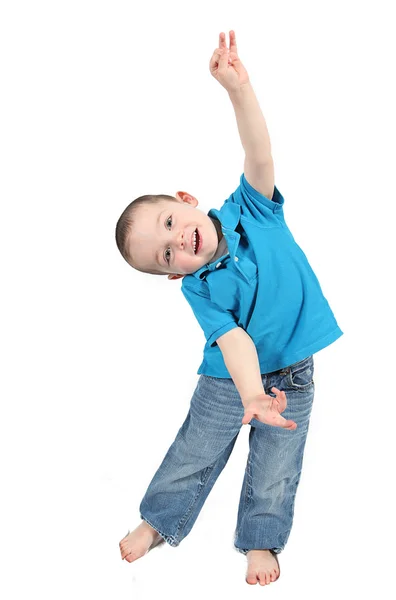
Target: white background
101	103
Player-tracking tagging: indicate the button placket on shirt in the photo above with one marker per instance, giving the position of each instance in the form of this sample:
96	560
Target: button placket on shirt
218	264
235	257
235	237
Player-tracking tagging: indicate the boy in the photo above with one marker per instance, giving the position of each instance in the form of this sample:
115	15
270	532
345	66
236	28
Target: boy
263	313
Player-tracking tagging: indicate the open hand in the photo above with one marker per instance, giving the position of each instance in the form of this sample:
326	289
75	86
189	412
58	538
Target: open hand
225	65
267	409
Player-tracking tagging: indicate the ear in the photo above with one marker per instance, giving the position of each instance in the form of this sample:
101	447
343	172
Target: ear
175	276
188	198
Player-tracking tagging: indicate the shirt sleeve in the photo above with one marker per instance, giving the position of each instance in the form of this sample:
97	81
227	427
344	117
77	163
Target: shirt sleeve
258	205
214	320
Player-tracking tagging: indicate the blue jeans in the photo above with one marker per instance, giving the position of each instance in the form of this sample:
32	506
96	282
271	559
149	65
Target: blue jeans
203	446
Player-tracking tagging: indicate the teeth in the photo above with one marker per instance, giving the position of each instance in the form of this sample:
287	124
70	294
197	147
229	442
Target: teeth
195	241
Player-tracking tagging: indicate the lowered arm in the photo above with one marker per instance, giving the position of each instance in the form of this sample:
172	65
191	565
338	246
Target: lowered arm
241	360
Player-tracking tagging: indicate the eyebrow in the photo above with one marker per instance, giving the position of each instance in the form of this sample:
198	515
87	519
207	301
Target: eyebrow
157	253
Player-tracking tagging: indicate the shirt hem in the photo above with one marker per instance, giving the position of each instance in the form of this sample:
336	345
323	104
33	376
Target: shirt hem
290	359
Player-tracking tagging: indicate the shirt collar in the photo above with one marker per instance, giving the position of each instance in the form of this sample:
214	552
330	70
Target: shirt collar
228	215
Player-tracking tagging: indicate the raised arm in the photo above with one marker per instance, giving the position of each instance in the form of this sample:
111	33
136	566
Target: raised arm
251	124
227	68
259	165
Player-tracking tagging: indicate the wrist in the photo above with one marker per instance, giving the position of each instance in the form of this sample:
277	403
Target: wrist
246	400
238	92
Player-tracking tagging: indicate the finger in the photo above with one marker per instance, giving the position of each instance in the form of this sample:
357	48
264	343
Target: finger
233	45
221	59
218	52
279	421
224	53
280	399
215	58
248	416
222	40
286	423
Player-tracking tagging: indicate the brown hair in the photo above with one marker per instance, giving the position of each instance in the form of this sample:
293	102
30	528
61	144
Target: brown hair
126	222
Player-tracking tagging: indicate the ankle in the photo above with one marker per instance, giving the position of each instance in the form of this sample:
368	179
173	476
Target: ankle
147	526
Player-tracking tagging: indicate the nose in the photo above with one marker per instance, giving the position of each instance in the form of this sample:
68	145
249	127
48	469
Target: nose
180	241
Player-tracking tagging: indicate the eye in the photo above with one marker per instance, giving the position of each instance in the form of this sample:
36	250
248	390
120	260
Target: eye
166	251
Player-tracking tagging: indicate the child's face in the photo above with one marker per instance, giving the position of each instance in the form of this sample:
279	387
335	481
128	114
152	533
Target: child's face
164	232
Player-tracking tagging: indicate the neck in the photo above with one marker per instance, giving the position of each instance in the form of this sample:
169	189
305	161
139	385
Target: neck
217	225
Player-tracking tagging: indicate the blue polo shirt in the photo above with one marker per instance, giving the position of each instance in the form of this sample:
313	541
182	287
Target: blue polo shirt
263	283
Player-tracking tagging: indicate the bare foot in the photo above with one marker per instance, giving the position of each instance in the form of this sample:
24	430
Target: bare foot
137	543
263	567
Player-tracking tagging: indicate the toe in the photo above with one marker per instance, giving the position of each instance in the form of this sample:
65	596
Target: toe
251	578
125	552
130	557
263	577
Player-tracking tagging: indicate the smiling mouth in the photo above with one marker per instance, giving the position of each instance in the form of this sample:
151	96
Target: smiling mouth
197	241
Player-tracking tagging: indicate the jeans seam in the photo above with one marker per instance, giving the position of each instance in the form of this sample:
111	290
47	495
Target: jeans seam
189	510
248	486
247	497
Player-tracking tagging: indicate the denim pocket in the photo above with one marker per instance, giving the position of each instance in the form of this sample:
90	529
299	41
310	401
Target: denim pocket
300	375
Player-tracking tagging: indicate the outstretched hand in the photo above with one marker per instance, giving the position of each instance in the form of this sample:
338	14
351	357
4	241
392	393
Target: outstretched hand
225	65
267	409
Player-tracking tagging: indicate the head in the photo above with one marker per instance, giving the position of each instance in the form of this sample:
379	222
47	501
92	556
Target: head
155	235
